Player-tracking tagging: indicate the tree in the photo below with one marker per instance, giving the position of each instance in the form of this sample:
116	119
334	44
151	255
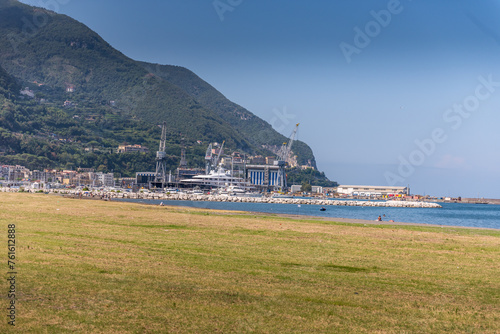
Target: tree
93	144
306	187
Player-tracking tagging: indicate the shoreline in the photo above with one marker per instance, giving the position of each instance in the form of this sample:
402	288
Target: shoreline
108	197
376	222
317	218
234	199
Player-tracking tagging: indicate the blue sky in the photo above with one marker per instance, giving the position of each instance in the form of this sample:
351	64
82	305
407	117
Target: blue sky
416	62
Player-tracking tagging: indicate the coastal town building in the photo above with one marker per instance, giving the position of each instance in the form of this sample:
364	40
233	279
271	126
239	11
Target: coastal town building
14	173
20	175
93	179
132	148
43	176
27	92
105	179
317	189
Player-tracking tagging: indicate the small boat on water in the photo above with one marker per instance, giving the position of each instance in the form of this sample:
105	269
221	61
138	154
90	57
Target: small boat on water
322	209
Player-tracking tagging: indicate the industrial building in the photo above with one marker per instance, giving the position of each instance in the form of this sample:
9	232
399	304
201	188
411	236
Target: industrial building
263	175
144	179
370	191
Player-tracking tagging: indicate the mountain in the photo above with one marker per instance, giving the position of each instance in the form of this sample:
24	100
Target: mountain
66	55
108	99
258	131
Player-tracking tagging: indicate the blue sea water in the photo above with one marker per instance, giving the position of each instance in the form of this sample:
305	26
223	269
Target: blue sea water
451	214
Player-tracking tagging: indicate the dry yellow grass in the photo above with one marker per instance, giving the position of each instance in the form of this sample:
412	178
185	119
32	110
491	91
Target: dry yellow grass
112	267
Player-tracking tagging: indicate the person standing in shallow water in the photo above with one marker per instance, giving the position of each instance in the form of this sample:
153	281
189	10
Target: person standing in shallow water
379	219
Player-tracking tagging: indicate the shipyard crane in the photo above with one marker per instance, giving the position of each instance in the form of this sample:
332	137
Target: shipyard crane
283	157
161	158
208	159
183	162
218	155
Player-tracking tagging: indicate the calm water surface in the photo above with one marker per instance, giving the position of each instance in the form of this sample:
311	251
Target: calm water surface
451	214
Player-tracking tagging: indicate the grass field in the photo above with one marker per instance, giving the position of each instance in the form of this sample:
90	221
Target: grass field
109	267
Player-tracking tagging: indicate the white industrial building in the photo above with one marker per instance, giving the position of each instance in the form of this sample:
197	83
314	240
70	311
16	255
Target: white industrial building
372	190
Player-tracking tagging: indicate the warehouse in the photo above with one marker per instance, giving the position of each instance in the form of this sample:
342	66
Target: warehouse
371	191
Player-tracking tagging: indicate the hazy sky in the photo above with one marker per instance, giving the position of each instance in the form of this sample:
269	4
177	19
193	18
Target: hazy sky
386	92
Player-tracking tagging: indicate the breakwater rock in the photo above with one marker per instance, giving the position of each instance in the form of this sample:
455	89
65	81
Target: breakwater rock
98	194
300	201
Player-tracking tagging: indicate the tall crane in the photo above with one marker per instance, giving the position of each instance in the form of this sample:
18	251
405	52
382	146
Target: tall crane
283	157
183	162
208	159
161	158
218	155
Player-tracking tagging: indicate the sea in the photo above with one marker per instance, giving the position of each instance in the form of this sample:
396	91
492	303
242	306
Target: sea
451	214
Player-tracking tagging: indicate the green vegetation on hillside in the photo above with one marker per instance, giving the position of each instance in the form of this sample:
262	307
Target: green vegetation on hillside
109	99
308	176
63	54
8	84
40	136
256	130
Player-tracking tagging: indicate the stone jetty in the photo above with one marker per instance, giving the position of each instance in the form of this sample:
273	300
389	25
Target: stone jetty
108	195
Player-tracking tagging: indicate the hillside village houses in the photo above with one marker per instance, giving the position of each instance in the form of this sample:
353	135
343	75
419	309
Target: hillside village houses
20	176
132	148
